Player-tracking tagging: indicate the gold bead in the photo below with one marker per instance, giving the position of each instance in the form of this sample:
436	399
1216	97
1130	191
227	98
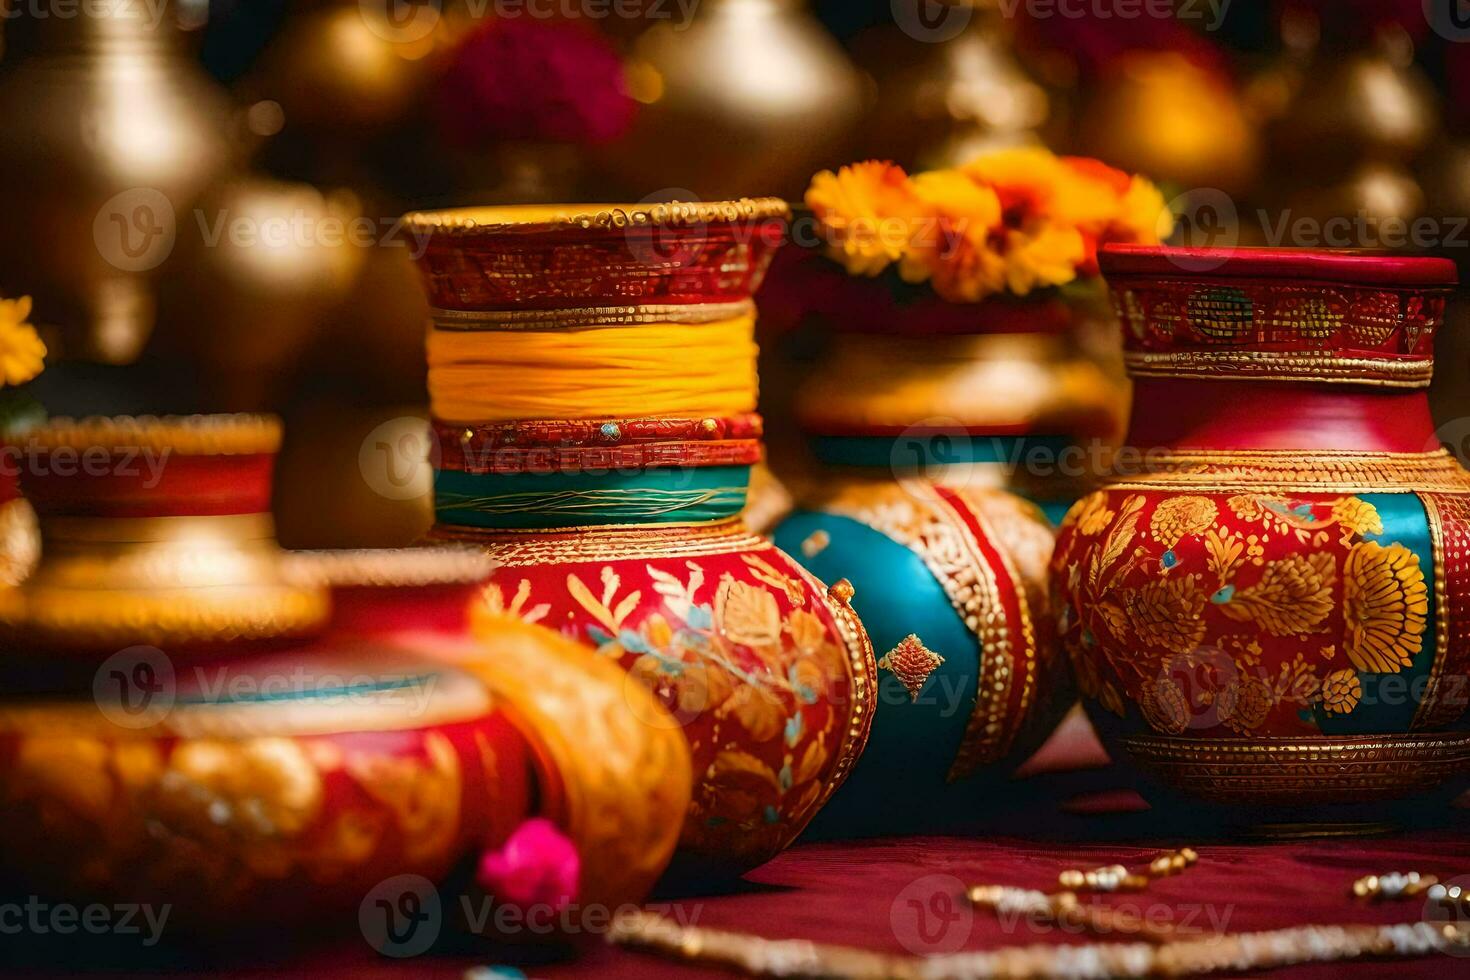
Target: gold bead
1071	879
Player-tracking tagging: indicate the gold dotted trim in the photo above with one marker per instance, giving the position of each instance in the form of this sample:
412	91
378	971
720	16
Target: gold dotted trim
986	738
533	218
193	435
1269	366
1296	470
575	319
388	567
601	543
864	664
217	614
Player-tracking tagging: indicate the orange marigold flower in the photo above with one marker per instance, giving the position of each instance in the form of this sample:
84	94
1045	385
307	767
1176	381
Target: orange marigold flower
22	354
867	209
950	245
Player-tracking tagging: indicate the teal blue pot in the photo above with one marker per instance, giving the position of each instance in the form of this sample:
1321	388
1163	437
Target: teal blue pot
951	586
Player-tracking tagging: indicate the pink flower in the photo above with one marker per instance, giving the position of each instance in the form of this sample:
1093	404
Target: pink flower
538	867
524	79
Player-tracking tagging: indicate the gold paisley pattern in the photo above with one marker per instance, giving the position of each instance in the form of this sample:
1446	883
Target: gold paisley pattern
1385	604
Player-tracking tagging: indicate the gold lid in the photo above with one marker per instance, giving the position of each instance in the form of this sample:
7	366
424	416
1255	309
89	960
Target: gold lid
194	435
541	217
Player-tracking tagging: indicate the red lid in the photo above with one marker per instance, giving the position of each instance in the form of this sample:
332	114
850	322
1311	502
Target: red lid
1326	265
171	466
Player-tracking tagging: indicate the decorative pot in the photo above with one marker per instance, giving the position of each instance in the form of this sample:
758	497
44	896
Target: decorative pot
201	754
1264	607
154	531
591	376
296	788
919	434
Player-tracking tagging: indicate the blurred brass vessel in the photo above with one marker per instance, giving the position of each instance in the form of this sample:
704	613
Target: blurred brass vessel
110	132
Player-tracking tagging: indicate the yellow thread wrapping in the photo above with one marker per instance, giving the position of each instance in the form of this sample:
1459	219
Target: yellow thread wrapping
611	372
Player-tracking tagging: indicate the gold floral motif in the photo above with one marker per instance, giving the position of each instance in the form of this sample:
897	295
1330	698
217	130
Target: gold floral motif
747	615
1164	706
1385	606
1244	703
494	601
1168	613
1341	691
257	794
1292	596
1178	517
1357	516
1091	515
423	794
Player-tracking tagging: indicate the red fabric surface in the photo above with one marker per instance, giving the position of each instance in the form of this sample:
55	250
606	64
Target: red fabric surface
858	892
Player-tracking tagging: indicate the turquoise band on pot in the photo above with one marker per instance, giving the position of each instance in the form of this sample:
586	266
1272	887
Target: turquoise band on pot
539	501
919	450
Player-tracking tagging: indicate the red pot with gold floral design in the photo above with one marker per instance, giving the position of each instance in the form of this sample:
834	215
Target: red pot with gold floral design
592	381
1266	607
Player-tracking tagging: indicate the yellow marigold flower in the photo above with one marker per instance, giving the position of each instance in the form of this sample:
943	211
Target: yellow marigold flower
950	245
867	209
1047	257
22	354
1144	218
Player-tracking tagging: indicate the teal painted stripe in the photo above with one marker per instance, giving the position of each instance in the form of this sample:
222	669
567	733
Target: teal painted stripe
525	501
1389	701
916	451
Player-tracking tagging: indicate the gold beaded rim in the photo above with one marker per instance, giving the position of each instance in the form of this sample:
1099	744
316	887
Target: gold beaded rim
389	567
542	217
195	435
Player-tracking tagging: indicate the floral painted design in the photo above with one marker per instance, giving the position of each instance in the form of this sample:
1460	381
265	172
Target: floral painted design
1242	612
1385	602
743	653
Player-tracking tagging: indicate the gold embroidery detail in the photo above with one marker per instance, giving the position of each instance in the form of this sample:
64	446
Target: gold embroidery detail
1271	366
912	663
608	544
577	319
1287	471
